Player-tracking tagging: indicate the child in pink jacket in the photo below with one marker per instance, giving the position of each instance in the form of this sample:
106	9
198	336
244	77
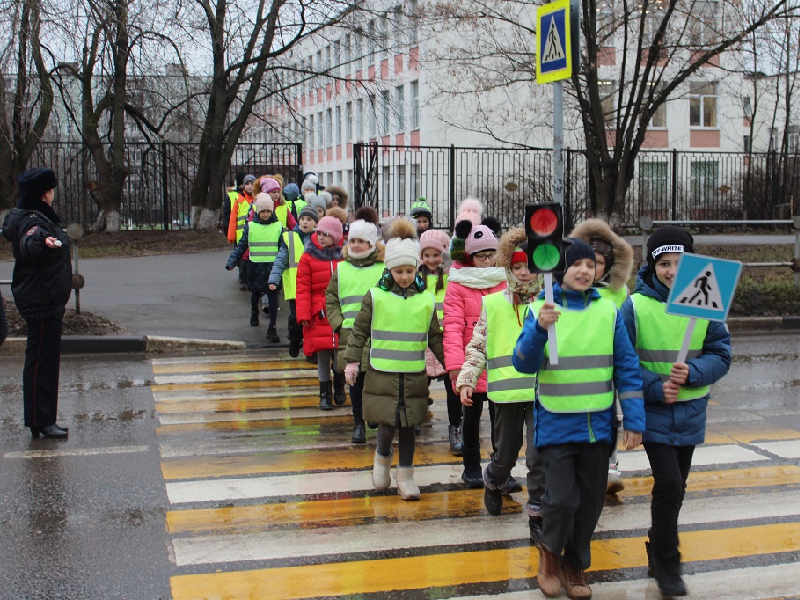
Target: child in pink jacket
472	276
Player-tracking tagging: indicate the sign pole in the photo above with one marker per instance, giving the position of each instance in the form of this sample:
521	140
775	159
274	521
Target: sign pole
558	142
551	329
687	338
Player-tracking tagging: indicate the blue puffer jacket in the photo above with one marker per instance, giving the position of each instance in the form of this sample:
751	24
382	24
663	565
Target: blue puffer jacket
680	423
282	260
566	428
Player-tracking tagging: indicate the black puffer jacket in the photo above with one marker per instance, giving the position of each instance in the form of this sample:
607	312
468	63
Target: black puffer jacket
42	279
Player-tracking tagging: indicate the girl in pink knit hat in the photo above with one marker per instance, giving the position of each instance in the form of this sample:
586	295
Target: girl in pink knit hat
433	245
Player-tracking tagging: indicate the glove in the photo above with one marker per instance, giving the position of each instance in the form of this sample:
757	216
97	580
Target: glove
350	373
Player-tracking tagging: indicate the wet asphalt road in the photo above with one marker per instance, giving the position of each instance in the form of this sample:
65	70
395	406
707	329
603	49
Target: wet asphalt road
85	518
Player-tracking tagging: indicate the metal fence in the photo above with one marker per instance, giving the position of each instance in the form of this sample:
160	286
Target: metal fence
668	184
157	189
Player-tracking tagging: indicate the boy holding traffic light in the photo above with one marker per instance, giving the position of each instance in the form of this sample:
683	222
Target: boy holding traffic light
574	413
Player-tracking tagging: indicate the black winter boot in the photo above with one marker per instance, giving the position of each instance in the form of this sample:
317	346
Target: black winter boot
272	335
294	348
456	442
339	395
359	433
325	395
472	476
492	496
668	574
254	318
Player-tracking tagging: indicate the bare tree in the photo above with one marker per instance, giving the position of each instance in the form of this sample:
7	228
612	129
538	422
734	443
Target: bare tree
655	47
24	116
246	41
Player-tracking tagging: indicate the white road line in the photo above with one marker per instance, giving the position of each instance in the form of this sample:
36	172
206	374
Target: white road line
232	377
278	414
379	537
785	449
775	581
703	456
216	395
76	452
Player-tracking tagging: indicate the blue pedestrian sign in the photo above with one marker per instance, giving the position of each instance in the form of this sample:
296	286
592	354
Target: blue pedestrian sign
703	287
554	44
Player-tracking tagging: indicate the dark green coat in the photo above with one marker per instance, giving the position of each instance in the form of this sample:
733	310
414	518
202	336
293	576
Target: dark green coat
396	399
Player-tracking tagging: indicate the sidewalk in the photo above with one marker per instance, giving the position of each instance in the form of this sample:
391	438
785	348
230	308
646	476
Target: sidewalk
189	297
190	302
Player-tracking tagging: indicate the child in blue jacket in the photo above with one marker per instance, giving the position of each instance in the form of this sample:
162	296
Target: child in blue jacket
574	413
676	393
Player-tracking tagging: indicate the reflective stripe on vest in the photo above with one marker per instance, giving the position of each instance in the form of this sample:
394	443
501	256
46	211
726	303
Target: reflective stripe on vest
659	337
505	383
430	285
262	240
618	297
398	344
580	382
295	247
354	282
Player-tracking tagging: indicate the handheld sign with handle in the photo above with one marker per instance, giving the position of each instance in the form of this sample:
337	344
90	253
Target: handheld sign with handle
703	289
545	228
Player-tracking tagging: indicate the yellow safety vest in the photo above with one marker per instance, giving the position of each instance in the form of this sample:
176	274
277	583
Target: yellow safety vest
298	206
659	337
232	195
580	382
354	282
263	241
281	211
430	285
241	217
398	344
294	244
618	297
505	383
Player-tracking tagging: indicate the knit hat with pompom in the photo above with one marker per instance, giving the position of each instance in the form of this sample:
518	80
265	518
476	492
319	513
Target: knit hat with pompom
402	248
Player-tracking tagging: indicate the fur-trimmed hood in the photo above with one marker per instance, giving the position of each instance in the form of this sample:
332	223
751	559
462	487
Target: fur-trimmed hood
620	270
508	243
376	255
335	190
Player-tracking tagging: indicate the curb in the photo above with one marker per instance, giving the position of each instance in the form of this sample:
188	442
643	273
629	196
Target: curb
125	344
762	324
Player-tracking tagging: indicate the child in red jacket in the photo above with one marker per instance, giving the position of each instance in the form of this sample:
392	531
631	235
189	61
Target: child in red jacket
323	252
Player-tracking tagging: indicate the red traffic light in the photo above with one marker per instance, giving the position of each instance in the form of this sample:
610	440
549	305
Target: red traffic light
543	221
544	229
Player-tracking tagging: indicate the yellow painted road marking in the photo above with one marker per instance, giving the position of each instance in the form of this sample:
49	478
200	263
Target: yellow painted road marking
286	422
288	382
747	433
235	405
339	512
456	503
451	569
260	365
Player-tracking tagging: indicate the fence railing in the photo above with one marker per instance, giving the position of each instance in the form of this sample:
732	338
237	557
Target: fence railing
157	190
669	184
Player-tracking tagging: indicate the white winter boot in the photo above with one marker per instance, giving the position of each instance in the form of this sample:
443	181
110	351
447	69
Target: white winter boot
406	487
381	476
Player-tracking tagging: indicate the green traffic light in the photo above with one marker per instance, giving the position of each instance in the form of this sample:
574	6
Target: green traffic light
546	257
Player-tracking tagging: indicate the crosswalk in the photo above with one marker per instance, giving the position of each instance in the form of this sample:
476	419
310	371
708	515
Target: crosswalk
268	499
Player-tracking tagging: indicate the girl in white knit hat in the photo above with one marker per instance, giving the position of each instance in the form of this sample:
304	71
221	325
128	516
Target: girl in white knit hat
396	383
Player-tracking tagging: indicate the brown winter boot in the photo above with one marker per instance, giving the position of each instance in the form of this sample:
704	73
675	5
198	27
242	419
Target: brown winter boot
575	583
549	571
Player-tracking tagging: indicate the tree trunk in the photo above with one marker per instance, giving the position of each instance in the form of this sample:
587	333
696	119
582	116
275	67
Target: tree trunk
204	218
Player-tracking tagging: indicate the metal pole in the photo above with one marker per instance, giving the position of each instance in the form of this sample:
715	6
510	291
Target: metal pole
558	142
452	178
77	271
797	249
674	185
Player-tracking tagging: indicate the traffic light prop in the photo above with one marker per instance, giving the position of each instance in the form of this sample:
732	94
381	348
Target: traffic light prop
544	227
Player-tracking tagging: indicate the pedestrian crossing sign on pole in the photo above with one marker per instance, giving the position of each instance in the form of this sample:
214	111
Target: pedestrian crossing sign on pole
554	44
703	287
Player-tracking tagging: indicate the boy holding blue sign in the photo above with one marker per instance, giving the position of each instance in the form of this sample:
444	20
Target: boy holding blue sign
676	393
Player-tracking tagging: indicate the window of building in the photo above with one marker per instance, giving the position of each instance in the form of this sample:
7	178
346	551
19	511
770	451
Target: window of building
400	103
704	182
338	125
653	183
359	120
320	66
401	189
413	21
606	21
747	144
747	107
386	106
310	132
348	54
656	12
387	185
320	131
357	50
704	22
773	139
328	57
703	104
329	126
659	120
608	100
337	56
397	26
348	119
372	36
383	40
793	139
415	111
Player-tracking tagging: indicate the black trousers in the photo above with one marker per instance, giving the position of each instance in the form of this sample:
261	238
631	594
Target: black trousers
295	330
356	397
41	371
670	466
510	419
272	296
471	431
576	476
455	410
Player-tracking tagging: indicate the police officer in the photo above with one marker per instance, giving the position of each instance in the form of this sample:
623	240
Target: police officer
41	286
